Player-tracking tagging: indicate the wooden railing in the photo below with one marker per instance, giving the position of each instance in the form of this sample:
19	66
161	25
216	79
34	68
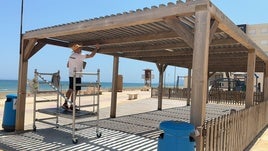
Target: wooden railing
215	96
237	130
234	131
232	97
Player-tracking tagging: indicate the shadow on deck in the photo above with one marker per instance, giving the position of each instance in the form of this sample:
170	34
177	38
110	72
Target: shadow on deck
130	132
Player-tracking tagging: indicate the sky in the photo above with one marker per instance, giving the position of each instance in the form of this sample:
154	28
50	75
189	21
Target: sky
44	13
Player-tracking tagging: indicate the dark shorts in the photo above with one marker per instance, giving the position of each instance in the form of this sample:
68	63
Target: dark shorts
71	83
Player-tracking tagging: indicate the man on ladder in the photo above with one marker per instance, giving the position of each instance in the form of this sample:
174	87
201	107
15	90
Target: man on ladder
76	63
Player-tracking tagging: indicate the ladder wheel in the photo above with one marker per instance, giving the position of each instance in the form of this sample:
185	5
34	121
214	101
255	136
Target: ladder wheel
34	128
98	134
75	140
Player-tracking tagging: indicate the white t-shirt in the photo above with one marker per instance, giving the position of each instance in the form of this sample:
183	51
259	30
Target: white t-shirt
76	63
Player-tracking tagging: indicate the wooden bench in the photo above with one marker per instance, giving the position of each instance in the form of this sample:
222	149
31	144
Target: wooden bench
132	96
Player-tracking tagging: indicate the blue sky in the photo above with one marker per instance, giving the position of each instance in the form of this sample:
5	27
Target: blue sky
39	14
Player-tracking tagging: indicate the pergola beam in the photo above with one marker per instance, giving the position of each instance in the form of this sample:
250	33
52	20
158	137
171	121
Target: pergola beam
189	85
29	47
161	68
114	87
128	19
22	83
250	78
35	49
54	42
213	29
175	24
265	83
200	70
124	47
137	38
226	25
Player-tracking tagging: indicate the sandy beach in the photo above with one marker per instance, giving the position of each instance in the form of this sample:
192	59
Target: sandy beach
105	101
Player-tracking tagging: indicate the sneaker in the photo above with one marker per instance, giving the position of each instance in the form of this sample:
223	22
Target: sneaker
65	106
76	108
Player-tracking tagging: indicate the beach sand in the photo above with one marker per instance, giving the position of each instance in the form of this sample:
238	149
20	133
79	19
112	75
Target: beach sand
105	101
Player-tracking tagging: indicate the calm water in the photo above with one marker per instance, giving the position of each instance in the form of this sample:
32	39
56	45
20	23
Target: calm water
12	85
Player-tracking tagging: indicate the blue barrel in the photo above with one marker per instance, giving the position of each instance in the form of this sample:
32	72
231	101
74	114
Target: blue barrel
176	136
9	118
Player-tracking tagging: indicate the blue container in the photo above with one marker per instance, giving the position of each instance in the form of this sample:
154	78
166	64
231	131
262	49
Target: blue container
9	118
176	136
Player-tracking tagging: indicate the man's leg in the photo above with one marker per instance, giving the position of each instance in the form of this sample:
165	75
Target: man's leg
78	88
68	94
71	107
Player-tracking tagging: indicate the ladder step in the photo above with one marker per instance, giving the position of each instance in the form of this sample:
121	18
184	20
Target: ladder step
90	105
87	94
53	100
46	91
88	85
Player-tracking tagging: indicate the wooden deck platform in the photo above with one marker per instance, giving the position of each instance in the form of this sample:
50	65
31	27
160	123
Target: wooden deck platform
138	131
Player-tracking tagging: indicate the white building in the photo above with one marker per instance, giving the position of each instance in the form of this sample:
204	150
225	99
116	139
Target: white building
259	34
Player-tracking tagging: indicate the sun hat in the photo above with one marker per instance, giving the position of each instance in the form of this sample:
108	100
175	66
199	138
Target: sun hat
76	46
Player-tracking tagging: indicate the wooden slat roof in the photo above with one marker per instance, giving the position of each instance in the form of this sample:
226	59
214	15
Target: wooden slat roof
160	34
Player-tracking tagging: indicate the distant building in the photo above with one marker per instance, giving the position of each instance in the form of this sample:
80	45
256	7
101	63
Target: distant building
259	34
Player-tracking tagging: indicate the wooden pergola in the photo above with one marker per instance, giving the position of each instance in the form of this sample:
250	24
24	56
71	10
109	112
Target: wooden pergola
192	34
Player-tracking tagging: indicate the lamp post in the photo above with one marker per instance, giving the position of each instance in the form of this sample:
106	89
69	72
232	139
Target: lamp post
21	22
20	117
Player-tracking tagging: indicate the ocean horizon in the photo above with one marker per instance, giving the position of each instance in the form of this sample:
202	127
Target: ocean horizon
12	85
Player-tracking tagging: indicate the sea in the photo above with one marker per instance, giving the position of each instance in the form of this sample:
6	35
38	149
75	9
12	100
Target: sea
11	86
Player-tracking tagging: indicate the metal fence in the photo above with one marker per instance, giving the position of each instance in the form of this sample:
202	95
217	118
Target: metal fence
171	93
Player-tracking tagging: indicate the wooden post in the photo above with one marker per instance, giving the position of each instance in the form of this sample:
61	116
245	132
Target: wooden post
189	86
250	78
229	81
161	68
114	87
200	70
265	85
22	83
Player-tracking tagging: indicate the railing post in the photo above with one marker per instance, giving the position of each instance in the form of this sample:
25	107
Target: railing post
189	86
169	93
265	85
